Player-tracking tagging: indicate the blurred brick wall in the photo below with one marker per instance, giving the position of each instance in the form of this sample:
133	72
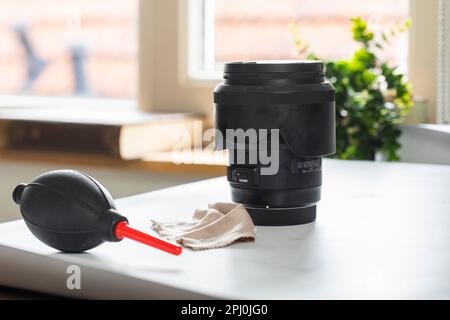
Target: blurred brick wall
107	29
254	29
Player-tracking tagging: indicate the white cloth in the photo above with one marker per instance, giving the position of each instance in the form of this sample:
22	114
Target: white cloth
218	226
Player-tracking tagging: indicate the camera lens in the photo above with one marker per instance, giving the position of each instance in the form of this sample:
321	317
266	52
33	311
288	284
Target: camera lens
277	119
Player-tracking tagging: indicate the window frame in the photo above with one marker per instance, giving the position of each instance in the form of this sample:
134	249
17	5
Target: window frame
164	81
201	65
423	54
443	62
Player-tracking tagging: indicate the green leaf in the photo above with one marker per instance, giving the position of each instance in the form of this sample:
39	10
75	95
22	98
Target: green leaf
408	23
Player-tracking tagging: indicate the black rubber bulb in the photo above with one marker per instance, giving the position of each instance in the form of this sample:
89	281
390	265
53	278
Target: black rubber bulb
68	210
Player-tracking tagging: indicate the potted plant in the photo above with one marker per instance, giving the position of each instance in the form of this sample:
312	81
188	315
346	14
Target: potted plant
372	98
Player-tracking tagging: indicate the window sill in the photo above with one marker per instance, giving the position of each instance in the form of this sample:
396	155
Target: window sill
431	128
204	165
29	101
425	143
70	110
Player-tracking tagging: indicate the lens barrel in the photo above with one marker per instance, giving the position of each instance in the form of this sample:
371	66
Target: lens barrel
286	109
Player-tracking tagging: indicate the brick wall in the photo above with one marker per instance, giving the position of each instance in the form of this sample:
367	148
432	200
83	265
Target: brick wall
254	29
107	29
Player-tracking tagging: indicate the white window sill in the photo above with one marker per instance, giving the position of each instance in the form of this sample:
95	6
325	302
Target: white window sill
28	101
425	143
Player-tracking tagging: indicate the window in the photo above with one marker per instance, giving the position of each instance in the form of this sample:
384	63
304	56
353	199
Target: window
252	29
69	48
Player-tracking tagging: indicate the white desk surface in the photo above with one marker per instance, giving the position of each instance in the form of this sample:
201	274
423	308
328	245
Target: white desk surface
382	231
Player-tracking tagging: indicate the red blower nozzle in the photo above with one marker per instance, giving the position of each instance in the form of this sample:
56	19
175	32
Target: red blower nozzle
124	231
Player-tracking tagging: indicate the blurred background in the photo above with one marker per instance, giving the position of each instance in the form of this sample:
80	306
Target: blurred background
92	41
96	42
77	74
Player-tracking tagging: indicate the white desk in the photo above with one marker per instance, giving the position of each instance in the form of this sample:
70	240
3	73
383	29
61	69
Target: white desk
383	231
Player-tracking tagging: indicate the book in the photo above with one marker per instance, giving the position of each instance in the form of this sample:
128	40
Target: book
126	133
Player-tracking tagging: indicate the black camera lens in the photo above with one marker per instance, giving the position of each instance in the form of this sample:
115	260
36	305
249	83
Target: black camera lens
277	119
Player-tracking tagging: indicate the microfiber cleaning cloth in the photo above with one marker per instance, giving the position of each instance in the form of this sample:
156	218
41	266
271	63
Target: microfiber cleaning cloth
218	226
